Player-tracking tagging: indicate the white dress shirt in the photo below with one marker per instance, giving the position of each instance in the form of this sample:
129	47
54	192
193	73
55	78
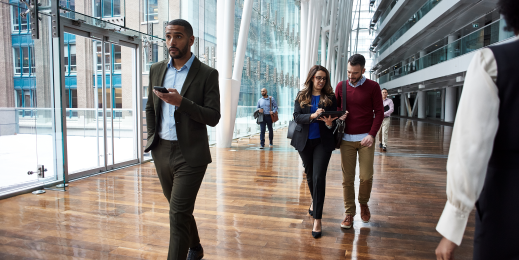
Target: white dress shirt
471	145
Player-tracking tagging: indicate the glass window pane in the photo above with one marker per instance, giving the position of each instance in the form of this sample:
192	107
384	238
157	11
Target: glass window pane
23	23
117	7
117	58
67	98
97	8
17	61
15	19
25	59
107	8
73	58
73	94
118	98
19	98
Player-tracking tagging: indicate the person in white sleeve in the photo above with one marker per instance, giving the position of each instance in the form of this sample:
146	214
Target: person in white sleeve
482	163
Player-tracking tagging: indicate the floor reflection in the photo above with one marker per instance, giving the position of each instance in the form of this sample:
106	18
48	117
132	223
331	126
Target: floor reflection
253	204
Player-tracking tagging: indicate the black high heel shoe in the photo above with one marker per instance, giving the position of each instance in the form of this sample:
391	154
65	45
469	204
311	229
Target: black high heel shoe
316	234
311	212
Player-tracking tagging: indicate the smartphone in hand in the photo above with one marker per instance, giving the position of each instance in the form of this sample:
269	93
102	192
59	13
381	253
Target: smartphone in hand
160	89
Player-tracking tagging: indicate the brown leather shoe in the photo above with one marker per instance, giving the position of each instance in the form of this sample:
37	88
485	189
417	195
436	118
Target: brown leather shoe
347	222
365	215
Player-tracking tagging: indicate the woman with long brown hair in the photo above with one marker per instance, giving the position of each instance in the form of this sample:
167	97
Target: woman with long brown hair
313	136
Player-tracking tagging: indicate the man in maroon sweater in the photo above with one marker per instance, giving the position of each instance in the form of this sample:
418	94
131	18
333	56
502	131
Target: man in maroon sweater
363	120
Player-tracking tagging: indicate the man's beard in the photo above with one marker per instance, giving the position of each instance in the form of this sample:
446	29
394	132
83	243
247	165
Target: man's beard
181	53
264	95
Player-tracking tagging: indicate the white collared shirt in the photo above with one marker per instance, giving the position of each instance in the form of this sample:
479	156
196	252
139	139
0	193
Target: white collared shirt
471	144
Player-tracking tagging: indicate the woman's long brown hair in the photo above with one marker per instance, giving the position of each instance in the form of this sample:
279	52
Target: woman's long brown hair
305	96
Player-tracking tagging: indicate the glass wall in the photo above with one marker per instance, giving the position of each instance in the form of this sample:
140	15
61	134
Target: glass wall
433	108
271	58
360	37
30	98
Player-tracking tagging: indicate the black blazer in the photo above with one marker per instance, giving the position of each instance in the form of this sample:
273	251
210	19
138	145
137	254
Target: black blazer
302	118
200	107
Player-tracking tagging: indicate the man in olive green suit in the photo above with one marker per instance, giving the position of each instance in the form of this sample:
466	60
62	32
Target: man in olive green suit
177	133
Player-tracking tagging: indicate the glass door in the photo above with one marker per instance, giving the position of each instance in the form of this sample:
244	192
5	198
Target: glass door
30	110
102	116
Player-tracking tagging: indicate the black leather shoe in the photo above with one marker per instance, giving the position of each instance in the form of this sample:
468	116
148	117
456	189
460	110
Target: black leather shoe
195	254
380	145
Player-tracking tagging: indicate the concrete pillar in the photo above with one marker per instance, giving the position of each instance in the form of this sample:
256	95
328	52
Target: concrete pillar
420	60
442	117
7	99
420	98
6	59
402	105
451	47
450	104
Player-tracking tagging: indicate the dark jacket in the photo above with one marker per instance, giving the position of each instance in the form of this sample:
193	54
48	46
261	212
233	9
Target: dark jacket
200	107
258	116
302	118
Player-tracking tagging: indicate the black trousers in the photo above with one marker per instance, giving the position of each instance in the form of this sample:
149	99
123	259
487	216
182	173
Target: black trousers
497	229
267	122
180	184
316	160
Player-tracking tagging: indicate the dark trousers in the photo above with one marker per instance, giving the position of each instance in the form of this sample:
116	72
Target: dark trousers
180	184
497	231
316	160
267	121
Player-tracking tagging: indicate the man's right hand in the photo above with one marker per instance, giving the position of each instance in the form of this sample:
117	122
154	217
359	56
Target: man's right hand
343	117
261	110
445	250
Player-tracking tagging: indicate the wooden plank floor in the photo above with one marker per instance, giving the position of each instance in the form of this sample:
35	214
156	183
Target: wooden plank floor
253	204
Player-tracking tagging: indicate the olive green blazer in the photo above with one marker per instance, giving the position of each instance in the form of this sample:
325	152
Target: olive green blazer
200	107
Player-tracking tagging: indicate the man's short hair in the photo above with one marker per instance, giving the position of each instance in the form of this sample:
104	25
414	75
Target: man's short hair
384	89
181	22
510	10
357	59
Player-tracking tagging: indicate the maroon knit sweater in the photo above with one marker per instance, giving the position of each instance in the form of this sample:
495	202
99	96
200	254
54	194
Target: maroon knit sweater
362	103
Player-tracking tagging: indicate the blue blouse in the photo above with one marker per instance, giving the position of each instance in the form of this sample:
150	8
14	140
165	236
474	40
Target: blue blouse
314	132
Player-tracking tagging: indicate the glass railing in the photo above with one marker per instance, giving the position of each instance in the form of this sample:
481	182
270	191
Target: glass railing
245	124
386	12
428	6
483	37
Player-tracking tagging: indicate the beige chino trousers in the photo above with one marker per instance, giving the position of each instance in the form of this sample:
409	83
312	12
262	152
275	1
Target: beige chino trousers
383	132
349	152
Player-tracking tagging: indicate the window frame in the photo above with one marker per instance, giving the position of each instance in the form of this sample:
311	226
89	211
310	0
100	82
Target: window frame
19	23
146	14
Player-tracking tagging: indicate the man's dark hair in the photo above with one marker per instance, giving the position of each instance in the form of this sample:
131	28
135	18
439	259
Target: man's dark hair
357	59
510	10
384	89
181	22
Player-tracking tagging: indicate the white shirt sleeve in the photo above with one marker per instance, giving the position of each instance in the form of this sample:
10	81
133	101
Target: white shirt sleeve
471	145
